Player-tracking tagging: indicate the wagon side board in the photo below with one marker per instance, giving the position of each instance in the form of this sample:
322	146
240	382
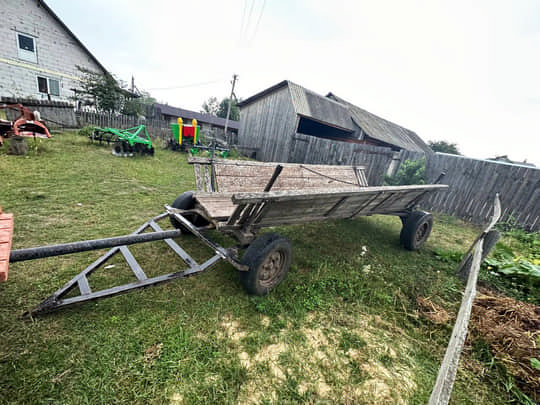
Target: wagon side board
250	211
248	176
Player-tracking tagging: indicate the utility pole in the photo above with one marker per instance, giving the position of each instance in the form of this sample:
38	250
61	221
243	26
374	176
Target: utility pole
235	76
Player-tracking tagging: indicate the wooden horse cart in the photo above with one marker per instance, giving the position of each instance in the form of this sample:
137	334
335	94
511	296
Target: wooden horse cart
239	198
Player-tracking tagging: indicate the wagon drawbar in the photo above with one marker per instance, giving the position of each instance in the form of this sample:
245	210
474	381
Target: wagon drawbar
239	198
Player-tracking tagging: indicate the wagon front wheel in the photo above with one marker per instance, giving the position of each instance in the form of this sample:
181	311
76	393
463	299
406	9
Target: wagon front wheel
186	201
416	229
269	260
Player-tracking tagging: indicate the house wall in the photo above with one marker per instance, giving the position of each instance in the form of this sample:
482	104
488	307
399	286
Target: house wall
57	52
268	126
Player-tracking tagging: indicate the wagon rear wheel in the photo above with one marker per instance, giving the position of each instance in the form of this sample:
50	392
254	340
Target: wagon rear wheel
416	229
269	261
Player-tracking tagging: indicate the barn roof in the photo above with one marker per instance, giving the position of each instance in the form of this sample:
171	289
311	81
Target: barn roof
383	130
337	112
312	105
200	117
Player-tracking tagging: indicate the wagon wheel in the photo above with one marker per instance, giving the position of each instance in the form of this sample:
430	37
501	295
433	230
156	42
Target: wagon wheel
416	229
186	201
269	260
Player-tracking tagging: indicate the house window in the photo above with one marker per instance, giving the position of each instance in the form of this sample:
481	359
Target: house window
27	48
48	86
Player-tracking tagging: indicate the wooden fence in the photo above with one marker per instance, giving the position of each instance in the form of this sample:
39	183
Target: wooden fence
315	150
474	183
156	128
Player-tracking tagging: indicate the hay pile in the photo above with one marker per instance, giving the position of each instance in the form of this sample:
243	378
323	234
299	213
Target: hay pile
512	330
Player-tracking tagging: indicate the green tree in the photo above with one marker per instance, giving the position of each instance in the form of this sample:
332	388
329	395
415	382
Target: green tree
211	106
101	90
444	147
223	107
107	93
410	172
138	106
219	109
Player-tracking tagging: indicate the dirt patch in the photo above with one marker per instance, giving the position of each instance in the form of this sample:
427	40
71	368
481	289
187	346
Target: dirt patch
232	330
375	369
153	352
512	330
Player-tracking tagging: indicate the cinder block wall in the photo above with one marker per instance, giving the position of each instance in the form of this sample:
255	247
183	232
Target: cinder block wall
58	53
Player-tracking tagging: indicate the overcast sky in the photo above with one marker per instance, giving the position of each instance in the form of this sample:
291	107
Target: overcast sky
467	72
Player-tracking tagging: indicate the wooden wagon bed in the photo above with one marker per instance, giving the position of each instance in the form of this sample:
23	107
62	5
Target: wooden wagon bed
301	193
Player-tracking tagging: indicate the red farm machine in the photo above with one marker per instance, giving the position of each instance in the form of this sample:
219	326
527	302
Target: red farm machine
184	136
187	138
26	124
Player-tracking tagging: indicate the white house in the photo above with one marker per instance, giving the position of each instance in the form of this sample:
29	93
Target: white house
39	54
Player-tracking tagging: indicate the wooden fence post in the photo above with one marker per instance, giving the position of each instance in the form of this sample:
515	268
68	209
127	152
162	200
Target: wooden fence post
447	372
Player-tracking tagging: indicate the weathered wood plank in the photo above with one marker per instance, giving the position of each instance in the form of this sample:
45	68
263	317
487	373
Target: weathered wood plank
311	194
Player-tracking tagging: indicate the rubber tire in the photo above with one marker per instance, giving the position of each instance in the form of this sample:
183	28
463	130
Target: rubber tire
186	201
118	148
416	229
256	255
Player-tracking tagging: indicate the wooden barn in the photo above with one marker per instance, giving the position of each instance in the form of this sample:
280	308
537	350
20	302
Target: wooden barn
275	123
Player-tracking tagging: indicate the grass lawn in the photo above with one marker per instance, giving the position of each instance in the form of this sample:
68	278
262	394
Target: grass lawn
343	327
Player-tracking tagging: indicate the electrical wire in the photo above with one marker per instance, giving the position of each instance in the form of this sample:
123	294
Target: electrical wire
258	21
248	19
242	22
186	85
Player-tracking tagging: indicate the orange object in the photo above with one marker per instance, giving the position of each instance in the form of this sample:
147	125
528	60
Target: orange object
6	233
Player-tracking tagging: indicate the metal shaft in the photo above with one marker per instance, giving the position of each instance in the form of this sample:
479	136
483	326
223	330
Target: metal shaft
83	246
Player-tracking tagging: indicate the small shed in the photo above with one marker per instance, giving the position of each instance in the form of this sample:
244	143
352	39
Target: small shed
271	120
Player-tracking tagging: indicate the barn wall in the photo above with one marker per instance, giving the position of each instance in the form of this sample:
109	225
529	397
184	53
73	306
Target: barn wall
268	125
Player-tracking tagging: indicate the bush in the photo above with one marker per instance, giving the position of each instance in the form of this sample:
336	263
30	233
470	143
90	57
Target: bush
86	131
410	172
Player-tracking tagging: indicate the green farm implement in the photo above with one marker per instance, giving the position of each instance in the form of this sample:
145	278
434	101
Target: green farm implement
126	142
187	138
184	136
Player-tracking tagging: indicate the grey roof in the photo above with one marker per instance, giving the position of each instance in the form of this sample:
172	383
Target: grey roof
384	130
53	14
337	112
200	117
313	105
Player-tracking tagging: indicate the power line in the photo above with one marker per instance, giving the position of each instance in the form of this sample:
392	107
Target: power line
186	85
248	19
243	20
258	21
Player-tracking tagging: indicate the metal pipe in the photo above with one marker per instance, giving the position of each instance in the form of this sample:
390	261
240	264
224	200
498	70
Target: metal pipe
274	177
83	246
